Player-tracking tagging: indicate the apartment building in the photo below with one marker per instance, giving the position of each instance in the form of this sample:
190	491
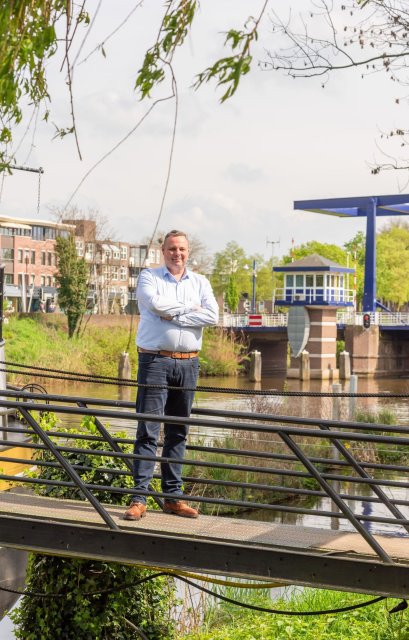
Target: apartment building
114	267
27	250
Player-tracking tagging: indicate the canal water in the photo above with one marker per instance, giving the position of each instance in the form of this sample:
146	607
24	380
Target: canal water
314	407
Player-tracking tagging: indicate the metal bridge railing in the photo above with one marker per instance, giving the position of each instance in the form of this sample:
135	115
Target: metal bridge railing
259	461
344	316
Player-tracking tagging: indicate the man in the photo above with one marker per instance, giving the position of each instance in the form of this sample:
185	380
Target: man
175	304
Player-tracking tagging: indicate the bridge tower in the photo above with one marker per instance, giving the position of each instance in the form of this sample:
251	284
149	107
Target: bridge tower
314	288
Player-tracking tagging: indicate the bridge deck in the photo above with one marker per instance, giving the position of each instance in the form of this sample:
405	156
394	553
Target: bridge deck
263	550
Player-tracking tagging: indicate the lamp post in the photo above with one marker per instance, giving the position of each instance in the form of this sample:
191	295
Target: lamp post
273	242
253	285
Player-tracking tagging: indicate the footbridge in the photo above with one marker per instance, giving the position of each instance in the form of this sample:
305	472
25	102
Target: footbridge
341	487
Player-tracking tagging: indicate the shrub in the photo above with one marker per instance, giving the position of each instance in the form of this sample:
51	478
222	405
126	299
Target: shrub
110	616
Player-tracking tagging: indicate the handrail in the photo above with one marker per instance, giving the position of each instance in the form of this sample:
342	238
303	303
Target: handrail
344	317
264	474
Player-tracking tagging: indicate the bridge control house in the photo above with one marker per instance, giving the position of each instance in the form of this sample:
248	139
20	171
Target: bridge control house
314	288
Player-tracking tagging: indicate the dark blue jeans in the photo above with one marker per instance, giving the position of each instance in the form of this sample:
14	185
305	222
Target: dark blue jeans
159	370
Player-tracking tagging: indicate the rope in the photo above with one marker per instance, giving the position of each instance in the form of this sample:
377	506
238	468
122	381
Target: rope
181	577
94	378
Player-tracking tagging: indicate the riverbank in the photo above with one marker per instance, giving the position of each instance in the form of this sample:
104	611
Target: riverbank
42	340
231	622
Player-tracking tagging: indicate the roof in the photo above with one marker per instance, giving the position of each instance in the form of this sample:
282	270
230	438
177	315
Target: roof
314	262
8	221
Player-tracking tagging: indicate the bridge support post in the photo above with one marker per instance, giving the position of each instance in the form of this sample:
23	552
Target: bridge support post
305	366
344	365
255	366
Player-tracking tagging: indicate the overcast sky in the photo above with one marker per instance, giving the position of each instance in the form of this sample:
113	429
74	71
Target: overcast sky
237	166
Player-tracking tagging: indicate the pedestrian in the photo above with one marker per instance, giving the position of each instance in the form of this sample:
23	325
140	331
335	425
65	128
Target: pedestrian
175	304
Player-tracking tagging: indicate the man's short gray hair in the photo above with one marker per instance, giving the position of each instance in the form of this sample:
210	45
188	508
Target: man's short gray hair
174	233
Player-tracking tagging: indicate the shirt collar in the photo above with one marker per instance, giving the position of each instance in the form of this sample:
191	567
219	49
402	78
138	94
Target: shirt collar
166	273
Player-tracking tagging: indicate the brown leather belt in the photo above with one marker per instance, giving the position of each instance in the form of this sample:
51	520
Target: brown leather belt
179	355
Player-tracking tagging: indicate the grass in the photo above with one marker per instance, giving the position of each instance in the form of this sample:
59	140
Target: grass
230	622
42	340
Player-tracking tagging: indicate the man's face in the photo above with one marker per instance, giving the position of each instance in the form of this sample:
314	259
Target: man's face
176	252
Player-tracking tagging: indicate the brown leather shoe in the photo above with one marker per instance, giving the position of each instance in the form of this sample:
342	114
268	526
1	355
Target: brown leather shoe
180	508
136	511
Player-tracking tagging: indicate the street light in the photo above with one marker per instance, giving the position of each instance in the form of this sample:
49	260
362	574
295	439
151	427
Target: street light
273	242
253	286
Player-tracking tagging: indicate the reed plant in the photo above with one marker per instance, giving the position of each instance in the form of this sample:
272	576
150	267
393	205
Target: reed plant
231	622
261	470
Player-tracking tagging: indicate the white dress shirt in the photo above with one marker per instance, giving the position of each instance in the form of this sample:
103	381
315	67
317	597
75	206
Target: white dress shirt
189	302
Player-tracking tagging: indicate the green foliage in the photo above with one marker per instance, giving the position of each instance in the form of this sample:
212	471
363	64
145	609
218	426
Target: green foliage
28	39
392	262
330	251
221	355
233	261
228	71
384	416
72	278
105	616
172	33
32	32
385	452
232	295
43	339
229	622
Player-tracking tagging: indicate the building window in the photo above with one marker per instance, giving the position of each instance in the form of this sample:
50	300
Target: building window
142	257
117	253
7	254
89	250
299	281
124	253
158	256
80	247
114	273
43	281
124	273
33	257
49	258
152	255
43	258
48	281
20	255
289	281
319	281
8	278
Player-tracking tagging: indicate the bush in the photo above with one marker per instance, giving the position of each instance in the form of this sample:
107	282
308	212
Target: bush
110	616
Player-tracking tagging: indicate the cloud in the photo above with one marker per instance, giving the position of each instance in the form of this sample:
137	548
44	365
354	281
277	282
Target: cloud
240	172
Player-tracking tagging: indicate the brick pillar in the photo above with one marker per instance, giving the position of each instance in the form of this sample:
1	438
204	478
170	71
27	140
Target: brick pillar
321	345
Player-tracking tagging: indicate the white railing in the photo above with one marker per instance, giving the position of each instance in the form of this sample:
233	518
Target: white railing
344	316
242	320
385	318
311	294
